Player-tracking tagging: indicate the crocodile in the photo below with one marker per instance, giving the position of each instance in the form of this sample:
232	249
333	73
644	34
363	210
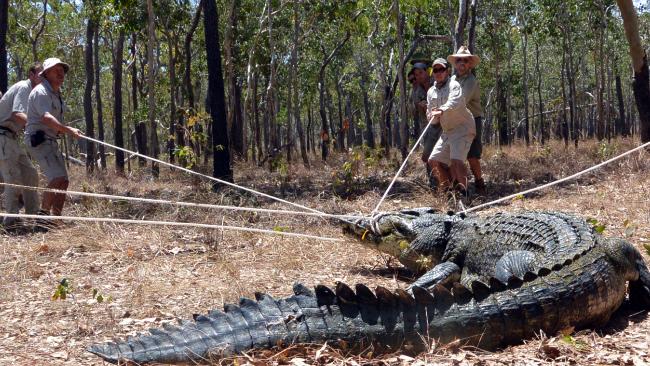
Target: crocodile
488	282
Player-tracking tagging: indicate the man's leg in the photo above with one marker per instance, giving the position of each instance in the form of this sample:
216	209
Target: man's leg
474	157
459	173
444	176
59	198
11	175
53	202
29	177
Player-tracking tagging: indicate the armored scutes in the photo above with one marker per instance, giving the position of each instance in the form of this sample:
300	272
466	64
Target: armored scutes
494	281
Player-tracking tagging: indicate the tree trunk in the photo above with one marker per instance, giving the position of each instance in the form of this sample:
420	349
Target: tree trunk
369	135
321	94
564	130
187	78
98	98
621	129
542	129
256	118
403	114
117	107
471	37
340	136
140	128
525	76
461	21
4	24
229	51
171	143
271	88
220	146
296	85
641	84
88	95
153	130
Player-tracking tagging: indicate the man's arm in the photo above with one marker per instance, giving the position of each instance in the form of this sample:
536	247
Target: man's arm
20	118
51	122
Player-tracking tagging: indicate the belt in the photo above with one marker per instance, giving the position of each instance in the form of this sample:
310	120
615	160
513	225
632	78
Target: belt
5	131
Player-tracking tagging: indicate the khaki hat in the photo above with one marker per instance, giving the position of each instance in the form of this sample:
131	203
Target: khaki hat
51	62
463	52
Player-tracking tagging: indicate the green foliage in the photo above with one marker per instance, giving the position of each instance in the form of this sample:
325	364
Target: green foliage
598	227
100	298
186	156
63	289
607	150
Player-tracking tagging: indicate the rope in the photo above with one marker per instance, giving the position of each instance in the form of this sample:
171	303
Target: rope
180	203
400	170
491	203
202	175
168	223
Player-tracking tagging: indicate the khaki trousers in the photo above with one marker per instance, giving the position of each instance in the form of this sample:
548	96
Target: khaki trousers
17	168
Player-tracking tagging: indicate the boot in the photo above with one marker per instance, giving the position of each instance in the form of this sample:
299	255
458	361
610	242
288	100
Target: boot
481	188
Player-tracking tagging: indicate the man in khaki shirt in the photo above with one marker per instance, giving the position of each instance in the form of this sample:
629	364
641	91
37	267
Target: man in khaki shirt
44	125
16	167
464	62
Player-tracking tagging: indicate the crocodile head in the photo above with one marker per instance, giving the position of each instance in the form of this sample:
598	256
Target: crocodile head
417	237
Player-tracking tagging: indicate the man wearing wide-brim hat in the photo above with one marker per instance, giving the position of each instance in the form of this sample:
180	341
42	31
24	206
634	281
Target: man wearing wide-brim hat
44	126
463	62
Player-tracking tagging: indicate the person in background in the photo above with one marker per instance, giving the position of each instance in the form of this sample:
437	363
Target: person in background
464	62
44	126
16	167
421	85
446	108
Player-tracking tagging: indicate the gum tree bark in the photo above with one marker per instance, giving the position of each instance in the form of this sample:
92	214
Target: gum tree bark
641	84
117	106
88	95
220	146
153	131
4	20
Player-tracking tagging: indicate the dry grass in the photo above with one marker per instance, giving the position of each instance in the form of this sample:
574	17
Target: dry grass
155	275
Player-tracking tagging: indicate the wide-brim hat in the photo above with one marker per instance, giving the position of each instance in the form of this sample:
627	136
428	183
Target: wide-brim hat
51	62
463	52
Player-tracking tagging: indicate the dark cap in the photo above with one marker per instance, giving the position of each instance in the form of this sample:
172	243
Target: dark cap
421	66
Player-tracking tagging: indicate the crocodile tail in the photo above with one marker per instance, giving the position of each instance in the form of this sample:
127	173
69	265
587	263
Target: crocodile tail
305	317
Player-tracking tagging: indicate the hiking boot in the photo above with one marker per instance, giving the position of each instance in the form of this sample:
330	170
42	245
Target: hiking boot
480	187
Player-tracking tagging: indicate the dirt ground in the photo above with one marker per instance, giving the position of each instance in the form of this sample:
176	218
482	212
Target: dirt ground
125	279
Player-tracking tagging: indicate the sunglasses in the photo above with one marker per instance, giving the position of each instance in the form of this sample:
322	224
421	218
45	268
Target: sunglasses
462	60
436	71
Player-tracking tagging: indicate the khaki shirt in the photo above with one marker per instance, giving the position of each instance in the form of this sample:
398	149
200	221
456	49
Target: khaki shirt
471	92
43	99
449	98
14	100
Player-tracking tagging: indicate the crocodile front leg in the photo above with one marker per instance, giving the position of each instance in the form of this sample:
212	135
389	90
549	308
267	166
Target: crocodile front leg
445	273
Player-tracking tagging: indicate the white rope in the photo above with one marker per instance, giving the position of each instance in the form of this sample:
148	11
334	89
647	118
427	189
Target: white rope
400	170
516	195
168	223
181	203
202	175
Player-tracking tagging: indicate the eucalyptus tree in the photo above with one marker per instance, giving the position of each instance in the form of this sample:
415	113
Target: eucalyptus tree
4	25
641	83
91	22
221	147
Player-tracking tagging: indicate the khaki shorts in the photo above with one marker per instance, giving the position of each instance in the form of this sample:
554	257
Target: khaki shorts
453	146
49	159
